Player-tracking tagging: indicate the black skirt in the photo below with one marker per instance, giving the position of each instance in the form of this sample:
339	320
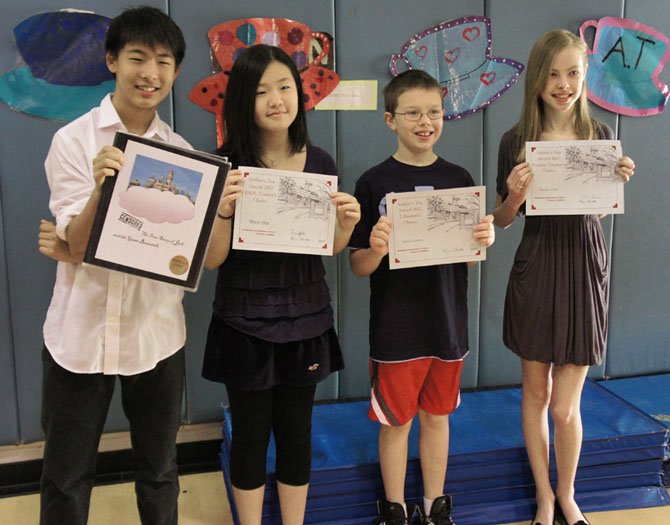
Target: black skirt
249	363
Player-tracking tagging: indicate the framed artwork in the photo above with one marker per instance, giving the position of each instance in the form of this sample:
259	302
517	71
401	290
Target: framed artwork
155	216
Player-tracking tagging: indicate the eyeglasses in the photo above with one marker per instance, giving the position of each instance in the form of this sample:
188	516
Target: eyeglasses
413	116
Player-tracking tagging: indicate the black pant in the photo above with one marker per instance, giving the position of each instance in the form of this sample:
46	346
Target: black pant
74	409
287	412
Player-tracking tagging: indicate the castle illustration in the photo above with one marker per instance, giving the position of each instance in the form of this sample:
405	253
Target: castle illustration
165	183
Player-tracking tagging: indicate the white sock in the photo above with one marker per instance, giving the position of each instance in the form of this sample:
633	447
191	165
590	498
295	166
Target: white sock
427	505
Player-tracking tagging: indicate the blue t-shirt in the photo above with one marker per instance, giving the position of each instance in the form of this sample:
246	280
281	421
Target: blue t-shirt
414	312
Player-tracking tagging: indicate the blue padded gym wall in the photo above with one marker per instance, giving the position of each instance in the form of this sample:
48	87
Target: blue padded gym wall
366	33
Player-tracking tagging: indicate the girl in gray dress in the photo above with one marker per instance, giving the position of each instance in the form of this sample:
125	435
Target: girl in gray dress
555	316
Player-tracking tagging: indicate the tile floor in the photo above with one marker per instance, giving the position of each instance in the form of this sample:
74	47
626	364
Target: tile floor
203	501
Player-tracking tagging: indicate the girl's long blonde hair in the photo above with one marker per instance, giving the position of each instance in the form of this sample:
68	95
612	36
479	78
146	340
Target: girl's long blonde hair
541	58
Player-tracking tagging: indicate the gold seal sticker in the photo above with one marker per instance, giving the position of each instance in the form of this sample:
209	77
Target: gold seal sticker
179	265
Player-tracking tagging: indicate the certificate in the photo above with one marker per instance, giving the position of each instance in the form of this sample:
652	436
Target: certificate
435	226
155	216
575	177
285	211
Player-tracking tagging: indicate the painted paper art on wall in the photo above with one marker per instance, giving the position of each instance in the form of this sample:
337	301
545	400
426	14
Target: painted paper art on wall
458	54
309	50
61	73
624	64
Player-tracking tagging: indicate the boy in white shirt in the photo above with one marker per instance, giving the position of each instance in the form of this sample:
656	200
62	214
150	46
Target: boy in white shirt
103	324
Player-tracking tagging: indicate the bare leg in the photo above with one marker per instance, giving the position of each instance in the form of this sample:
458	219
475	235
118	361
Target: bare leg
292	500
434	452
536	393
249	505
393	460
565	405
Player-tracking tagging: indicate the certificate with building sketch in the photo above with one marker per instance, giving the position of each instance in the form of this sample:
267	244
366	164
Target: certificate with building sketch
285	211
435	226
576	177
155	216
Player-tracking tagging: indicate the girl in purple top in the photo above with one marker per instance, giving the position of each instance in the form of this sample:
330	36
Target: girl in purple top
555	316
271	338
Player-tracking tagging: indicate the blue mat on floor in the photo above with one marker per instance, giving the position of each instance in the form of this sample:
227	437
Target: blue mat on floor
488	475
651	395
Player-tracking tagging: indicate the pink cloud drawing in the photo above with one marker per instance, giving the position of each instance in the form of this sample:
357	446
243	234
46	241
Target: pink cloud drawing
157	206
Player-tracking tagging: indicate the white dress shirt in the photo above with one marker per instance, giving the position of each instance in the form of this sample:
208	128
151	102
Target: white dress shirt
101	320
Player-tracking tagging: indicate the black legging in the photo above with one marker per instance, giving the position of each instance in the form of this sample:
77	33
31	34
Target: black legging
287	412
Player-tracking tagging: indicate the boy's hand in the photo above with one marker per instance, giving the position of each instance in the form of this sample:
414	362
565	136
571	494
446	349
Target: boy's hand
106	164
518	183
484	232
625	168
379	236
51	245
348	210
232	190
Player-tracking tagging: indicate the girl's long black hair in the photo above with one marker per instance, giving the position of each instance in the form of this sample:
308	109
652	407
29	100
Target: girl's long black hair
242	144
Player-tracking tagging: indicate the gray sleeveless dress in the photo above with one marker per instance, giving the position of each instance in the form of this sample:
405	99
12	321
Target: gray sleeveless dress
557	294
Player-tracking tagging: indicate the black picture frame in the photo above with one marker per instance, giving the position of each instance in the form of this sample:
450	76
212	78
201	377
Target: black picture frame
122	252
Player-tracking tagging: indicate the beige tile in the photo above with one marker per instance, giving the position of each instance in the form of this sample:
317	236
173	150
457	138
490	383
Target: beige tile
203	501
20	510
649	516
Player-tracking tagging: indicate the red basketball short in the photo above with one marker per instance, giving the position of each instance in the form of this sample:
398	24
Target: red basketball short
400	389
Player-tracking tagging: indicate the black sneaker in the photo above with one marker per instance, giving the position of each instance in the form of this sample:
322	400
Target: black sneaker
390	513
440	512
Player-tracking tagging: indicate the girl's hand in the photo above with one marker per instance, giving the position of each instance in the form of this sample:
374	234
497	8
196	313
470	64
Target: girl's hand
106	163
379	236
518	183
232	189
484	232
348	210
625	168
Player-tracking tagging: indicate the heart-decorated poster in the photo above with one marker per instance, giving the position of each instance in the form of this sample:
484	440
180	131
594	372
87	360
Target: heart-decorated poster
309	50
458	54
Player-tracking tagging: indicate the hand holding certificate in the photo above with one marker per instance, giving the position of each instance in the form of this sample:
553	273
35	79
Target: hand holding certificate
285	211
574	177
156	214
435	227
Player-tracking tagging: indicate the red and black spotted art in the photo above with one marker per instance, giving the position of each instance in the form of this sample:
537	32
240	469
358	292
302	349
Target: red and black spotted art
310	50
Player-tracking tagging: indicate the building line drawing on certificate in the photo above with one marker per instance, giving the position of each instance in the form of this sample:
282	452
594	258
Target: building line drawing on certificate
590	162
453	212
310	199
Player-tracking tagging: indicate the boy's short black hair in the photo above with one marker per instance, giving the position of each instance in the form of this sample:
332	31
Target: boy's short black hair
145	25
414	78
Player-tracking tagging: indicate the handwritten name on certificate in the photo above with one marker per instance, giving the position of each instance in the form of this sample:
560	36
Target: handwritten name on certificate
435	227
574	177
285	211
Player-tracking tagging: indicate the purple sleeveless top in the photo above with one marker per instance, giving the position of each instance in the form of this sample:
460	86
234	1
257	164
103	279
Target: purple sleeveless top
277	297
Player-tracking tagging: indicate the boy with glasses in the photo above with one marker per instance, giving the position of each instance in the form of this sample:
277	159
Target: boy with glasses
418	316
